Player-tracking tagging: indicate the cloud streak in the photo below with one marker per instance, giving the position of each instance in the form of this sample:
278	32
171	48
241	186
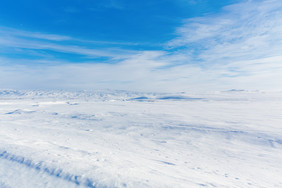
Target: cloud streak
12	38
249	30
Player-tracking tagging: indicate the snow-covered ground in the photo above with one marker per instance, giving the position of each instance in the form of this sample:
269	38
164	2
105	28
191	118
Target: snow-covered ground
126	139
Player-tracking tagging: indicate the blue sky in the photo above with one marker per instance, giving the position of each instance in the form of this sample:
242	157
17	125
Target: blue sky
168	45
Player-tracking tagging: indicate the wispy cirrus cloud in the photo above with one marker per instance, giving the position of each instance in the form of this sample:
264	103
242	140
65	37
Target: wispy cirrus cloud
17	40
11	32
73	49
250	29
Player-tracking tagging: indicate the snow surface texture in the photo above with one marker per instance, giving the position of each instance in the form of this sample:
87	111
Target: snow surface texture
126	139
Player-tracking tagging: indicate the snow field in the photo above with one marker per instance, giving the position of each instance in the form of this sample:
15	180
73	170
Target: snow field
120	139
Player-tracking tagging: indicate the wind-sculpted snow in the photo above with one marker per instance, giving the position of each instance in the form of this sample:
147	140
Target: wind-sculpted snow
40	167
134	139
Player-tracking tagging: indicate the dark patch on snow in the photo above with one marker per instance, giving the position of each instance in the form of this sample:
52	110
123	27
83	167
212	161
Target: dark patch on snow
236	90
72	103
179	97
202	185
15	112
140	98
20	112
84	117
168	163
278	141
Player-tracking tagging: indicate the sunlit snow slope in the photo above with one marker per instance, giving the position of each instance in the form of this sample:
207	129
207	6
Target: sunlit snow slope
126	139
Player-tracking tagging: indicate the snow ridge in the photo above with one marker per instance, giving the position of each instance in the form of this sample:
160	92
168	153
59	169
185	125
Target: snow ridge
40	167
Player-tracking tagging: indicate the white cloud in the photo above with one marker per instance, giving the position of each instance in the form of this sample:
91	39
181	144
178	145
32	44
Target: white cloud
143	72
16	41
8	32
25	40
249	30
240	47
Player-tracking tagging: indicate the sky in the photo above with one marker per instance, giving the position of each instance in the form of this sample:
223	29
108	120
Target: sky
148	45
